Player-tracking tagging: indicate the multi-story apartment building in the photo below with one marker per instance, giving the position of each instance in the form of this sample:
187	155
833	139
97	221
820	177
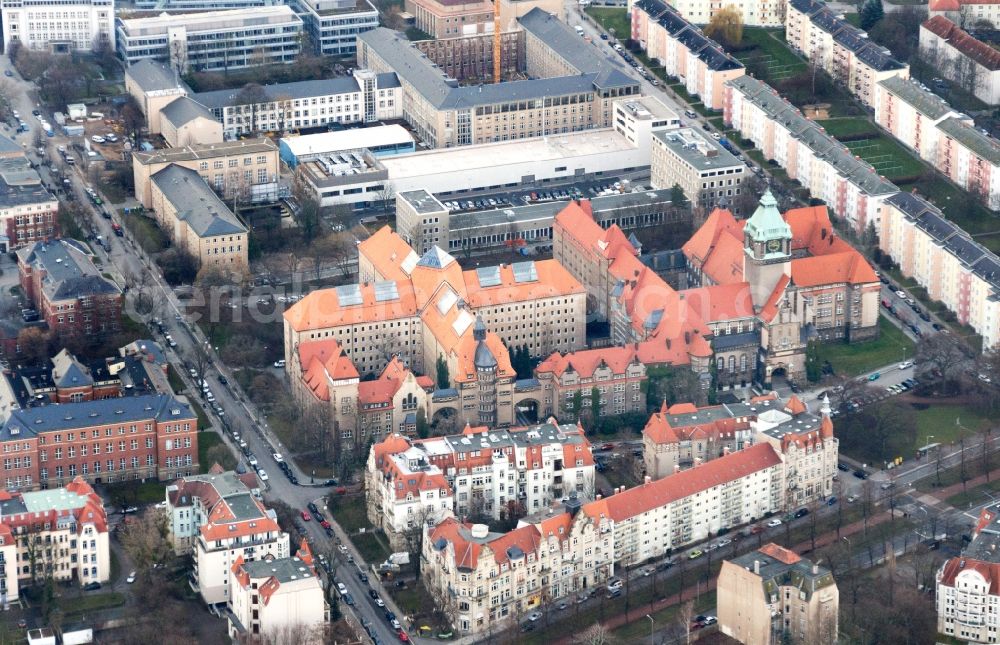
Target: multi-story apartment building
708	173
569	88
280	600
363	97
451	19
60	27
684	51
196	219
753	13
28	211
152	436
960	58
912	115
480	473
971	159
192	500
247	169
965	12
70	294
605	381
154	85
213	40
333	25
839	48
955	269
773	595
486	581
225	523
191	6
968	602
852	188
683	435
426	310
59	533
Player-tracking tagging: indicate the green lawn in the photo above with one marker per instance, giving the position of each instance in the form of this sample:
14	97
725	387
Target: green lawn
767	48
175	380
848	126
613	20
887	156
940	420
203	422
976	494
371	548
857	358
854	19
149	236
76	607
959	207
206	441
349	511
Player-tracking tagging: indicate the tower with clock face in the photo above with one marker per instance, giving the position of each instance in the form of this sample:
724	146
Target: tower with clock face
767	249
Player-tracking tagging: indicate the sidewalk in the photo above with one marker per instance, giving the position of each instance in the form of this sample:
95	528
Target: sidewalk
946	492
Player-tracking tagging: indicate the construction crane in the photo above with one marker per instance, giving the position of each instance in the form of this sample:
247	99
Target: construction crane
496	41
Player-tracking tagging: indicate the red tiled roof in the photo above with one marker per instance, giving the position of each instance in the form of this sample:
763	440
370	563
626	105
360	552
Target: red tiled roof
685	483
962	41
323	359
794	406
320	309
661	431
584	362
553	280
387	252
382	389
848	267
466	552
944	5
720	302
770	308
780	553
990	571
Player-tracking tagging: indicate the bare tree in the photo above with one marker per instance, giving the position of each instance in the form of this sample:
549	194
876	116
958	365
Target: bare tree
596	634
146	539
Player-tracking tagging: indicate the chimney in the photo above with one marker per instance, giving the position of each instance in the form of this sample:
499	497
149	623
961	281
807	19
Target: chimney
697	461
756	567
677	468
815	569
725	450
598	496
648	479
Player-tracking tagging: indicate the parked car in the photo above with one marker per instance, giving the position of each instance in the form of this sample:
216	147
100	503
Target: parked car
695	553
615	583
773	523
131	577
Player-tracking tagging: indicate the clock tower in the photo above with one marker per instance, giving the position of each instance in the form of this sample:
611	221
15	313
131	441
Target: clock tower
767	250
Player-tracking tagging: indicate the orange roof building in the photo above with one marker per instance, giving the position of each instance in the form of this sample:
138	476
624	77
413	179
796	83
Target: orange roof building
616	373
269	595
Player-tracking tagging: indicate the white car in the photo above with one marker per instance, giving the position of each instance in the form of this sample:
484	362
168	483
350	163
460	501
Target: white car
615	584
341	588
97	139
277	457
193	372
279	364
252	461
905	364
901	294
773	523
263	475
131	578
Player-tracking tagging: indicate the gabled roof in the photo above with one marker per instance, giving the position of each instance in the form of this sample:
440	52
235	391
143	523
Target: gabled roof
644	498
585	362
153	76
196	203
182	111
323	361
67	372
389	253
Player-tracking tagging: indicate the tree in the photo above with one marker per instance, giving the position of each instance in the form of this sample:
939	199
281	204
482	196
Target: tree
309	219
251	97
577	404
726	26
595	404
133	120
220	454
178	266
146	539
596	634
677	197
443	380
35	344
814	368
423	429
871	12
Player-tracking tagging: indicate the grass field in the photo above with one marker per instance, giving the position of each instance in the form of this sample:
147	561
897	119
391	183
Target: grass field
615	21
887	156
149	236
370	547
857	358
768	49
77	607
975	495
175	379
940	420
206	441
349	511
203	422
848	127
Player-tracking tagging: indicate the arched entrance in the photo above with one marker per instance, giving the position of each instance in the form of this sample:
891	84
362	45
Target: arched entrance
526	413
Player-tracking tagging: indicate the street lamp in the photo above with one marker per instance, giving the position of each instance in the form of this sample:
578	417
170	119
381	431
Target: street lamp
651	624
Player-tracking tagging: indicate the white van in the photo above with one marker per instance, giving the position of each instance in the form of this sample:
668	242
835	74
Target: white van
579	30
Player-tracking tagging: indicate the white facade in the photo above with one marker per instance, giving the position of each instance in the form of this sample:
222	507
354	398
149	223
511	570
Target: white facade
52	25
911	114
214	558
333	25
959	57
754	13
281	600
213	40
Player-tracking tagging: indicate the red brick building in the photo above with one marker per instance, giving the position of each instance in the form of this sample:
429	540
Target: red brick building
68	291
27	209
151	436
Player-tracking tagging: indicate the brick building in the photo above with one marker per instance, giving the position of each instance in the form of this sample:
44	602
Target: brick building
60	280
616	373
152	436
27	209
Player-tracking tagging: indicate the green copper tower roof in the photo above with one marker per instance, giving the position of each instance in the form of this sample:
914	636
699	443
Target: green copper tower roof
766	223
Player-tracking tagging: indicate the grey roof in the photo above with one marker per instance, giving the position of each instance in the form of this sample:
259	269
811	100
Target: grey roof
205	151
196	203
775	573
927	103
282	569
217	99
981	144
153	76
69	416
847	35
69	271
184	110
435	258
8	146
824	147
698	150
413	66
982	262
732	341
67	372
244	507
543	433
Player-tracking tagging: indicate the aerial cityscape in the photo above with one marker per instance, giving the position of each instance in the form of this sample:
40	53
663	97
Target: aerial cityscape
499	321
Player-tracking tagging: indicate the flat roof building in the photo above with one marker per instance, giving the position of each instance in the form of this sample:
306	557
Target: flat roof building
707	172
334	25
213	40
382	140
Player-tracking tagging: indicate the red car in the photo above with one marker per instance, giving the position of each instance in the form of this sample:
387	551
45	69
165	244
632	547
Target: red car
403	638
306	516
608	446
325	524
